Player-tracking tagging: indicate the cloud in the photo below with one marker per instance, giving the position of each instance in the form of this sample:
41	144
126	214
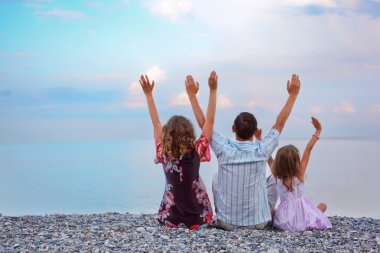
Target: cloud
180	100
322	3
376	108
135	98
344	107
156	73
134	102
172	9
224	102
62	14
135	88
316	109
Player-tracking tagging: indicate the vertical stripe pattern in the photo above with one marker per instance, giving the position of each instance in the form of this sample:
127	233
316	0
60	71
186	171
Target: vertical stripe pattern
242	197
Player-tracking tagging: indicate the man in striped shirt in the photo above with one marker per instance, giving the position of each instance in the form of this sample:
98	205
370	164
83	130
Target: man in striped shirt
240	187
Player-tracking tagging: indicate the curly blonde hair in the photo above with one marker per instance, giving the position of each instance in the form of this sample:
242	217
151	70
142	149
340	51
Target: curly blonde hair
286	165
178	137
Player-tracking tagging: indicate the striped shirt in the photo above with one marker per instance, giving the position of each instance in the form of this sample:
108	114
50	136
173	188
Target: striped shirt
241	197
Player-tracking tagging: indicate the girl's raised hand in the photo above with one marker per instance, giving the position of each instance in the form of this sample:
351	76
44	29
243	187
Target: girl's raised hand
316	124
258	134
145	85
213	81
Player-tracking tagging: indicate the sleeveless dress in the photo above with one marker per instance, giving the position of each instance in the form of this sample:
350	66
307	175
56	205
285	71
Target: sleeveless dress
295	212
185	203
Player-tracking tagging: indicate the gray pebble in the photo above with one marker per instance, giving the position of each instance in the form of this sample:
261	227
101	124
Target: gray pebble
151	229
113	232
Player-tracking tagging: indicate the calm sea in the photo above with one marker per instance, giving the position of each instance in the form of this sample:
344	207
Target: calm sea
107	176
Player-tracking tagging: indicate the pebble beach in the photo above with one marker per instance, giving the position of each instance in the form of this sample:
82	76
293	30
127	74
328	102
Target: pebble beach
115	232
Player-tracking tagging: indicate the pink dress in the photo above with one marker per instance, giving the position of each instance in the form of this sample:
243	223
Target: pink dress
297	213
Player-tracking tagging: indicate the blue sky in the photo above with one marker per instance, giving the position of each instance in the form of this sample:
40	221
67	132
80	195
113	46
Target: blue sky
69	69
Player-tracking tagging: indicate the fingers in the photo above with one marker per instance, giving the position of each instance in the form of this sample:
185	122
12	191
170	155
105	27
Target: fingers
294	78
197	84
288	85
189	80
147	79
142	78
152	84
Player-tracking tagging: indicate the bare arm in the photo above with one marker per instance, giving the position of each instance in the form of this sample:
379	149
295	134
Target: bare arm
258	138
310	145
148	89
192	90
293	88
210	115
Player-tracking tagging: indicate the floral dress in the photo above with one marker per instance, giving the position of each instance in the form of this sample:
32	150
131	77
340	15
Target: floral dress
185	203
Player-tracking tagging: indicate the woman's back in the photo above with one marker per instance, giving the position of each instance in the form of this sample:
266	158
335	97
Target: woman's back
185	203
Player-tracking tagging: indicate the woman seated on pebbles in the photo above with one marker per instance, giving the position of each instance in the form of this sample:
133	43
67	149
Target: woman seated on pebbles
185	202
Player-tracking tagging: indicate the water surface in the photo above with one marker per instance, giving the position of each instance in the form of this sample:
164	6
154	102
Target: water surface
116	176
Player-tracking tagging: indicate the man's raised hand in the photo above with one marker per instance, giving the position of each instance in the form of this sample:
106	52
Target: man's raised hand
293	86
213	81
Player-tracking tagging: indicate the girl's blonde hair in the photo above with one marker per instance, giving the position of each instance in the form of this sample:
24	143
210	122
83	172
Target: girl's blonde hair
286	165
178	137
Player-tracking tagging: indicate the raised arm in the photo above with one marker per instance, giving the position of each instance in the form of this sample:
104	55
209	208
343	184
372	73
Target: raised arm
293	88
310	145
258	138
210	115
148	89
192	90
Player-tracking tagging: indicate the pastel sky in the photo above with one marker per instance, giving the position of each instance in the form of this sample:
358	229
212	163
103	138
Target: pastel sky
69	69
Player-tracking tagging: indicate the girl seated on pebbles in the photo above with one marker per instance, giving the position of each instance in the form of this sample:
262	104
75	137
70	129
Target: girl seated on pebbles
185	202
295	212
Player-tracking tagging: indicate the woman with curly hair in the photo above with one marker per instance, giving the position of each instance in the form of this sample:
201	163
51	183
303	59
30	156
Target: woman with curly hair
185	202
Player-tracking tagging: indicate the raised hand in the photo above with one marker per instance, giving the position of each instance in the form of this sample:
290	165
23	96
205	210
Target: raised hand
213	81
258	134
316	124
191	86
293	86
146	85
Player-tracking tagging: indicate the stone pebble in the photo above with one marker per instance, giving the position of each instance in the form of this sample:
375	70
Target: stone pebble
115	232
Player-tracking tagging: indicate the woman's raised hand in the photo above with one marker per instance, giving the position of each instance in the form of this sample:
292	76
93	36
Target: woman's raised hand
146	85
192	87
213	81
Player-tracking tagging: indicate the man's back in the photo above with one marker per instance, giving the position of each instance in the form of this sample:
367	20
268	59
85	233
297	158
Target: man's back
241	198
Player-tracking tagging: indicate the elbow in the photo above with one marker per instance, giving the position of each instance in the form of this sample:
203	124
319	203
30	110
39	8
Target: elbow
210	121
280	123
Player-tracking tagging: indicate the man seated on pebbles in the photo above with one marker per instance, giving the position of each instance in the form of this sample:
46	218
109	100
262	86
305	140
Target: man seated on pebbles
244	197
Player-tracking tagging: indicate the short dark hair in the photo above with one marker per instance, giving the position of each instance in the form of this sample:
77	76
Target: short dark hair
245	125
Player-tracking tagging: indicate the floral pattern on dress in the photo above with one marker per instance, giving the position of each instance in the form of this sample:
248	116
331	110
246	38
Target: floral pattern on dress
166	203
203	199
182	182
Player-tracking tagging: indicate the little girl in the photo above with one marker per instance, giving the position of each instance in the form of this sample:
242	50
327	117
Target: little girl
185	203
295	212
